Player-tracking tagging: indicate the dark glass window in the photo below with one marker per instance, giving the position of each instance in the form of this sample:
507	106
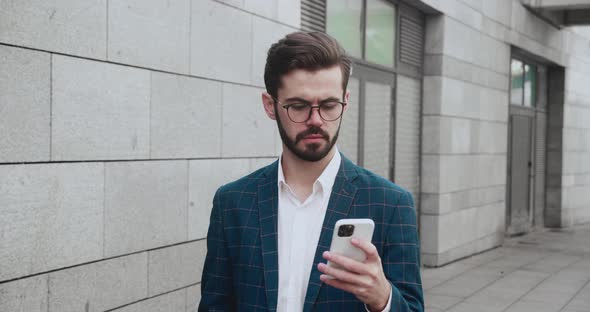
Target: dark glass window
516	82
523	83
530	85
365	28
344	22
380	33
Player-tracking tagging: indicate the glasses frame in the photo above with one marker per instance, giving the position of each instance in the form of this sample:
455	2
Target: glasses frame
311	107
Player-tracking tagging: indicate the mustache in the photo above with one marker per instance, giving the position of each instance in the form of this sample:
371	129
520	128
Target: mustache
312	130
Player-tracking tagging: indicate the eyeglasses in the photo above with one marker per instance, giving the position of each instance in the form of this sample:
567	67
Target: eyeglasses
300	112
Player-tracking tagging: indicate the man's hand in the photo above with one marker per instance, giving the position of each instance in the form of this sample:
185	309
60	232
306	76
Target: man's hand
365	280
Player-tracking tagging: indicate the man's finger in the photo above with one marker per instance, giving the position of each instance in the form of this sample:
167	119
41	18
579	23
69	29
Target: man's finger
348	287
340	274
347	263
369	249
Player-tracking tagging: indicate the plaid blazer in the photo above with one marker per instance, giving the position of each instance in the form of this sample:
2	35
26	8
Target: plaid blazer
241	266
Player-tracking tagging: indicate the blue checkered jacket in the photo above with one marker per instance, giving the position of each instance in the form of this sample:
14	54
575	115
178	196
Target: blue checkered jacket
241	266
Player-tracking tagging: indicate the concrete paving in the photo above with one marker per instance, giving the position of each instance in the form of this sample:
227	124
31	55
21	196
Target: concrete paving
545	271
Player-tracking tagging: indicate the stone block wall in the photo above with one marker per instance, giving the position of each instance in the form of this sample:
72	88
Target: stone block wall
465	118
118	121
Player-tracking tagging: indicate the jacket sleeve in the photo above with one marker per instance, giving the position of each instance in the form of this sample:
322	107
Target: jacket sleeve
401	257
216	282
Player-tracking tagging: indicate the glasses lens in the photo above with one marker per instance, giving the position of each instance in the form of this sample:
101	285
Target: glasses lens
299	112
330	111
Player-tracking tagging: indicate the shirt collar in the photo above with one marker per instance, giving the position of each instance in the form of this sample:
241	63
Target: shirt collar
326	179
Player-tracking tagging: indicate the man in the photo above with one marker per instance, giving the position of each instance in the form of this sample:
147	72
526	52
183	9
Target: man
270	231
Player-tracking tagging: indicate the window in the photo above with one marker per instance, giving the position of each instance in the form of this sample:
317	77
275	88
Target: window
523	83
516	82
380	33
530	85
365	28
344	23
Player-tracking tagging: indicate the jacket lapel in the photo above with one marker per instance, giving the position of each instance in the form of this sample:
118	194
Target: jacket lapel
343	193
268	218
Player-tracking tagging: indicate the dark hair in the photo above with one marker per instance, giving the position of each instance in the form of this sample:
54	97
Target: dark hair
303	50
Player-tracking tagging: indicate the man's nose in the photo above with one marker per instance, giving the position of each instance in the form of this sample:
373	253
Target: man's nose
315	119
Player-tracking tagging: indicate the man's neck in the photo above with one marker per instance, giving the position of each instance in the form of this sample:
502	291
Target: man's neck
301	173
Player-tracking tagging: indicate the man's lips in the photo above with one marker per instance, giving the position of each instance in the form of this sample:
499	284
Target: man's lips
312	134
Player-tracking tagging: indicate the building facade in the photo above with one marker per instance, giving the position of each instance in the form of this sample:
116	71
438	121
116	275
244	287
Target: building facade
119	120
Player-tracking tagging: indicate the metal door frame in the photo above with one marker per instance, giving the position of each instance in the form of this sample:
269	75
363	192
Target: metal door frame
529	58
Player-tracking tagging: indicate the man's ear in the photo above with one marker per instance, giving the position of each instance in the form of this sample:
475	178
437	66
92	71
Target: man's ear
269	105
346	98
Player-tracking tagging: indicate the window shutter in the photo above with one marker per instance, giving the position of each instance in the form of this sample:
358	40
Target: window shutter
407	134
411	45
313	15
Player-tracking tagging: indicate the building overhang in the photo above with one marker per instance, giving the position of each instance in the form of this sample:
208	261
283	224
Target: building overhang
561	13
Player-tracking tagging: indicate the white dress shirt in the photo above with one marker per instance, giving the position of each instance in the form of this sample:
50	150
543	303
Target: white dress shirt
299	228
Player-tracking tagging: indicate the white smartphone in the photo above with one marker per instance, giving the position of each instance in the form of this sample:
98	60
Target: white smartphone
344	231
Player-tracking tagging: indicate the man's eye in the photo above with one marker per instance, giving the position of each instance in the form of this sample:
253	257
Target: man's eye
298	106
330	105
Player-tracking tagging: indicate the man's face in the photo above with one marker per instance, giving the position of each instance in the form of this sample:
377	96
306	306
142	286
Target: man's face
313	139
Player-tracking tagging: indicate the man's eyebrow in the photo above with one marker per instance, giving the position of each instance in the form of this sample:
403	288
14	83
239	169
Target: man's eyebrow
330	99
298	99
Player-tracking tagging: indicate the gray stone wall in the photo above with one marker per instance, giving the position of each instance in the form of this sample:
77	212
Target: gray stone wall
119	120
576	134
466	88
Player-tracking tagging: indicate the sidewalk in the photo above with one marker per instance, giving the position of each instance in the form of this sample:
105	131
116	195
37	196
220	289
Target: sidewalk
546	271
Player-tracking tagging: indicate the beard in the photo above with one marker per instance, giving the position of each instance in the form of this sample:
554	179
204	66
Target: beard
311	152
